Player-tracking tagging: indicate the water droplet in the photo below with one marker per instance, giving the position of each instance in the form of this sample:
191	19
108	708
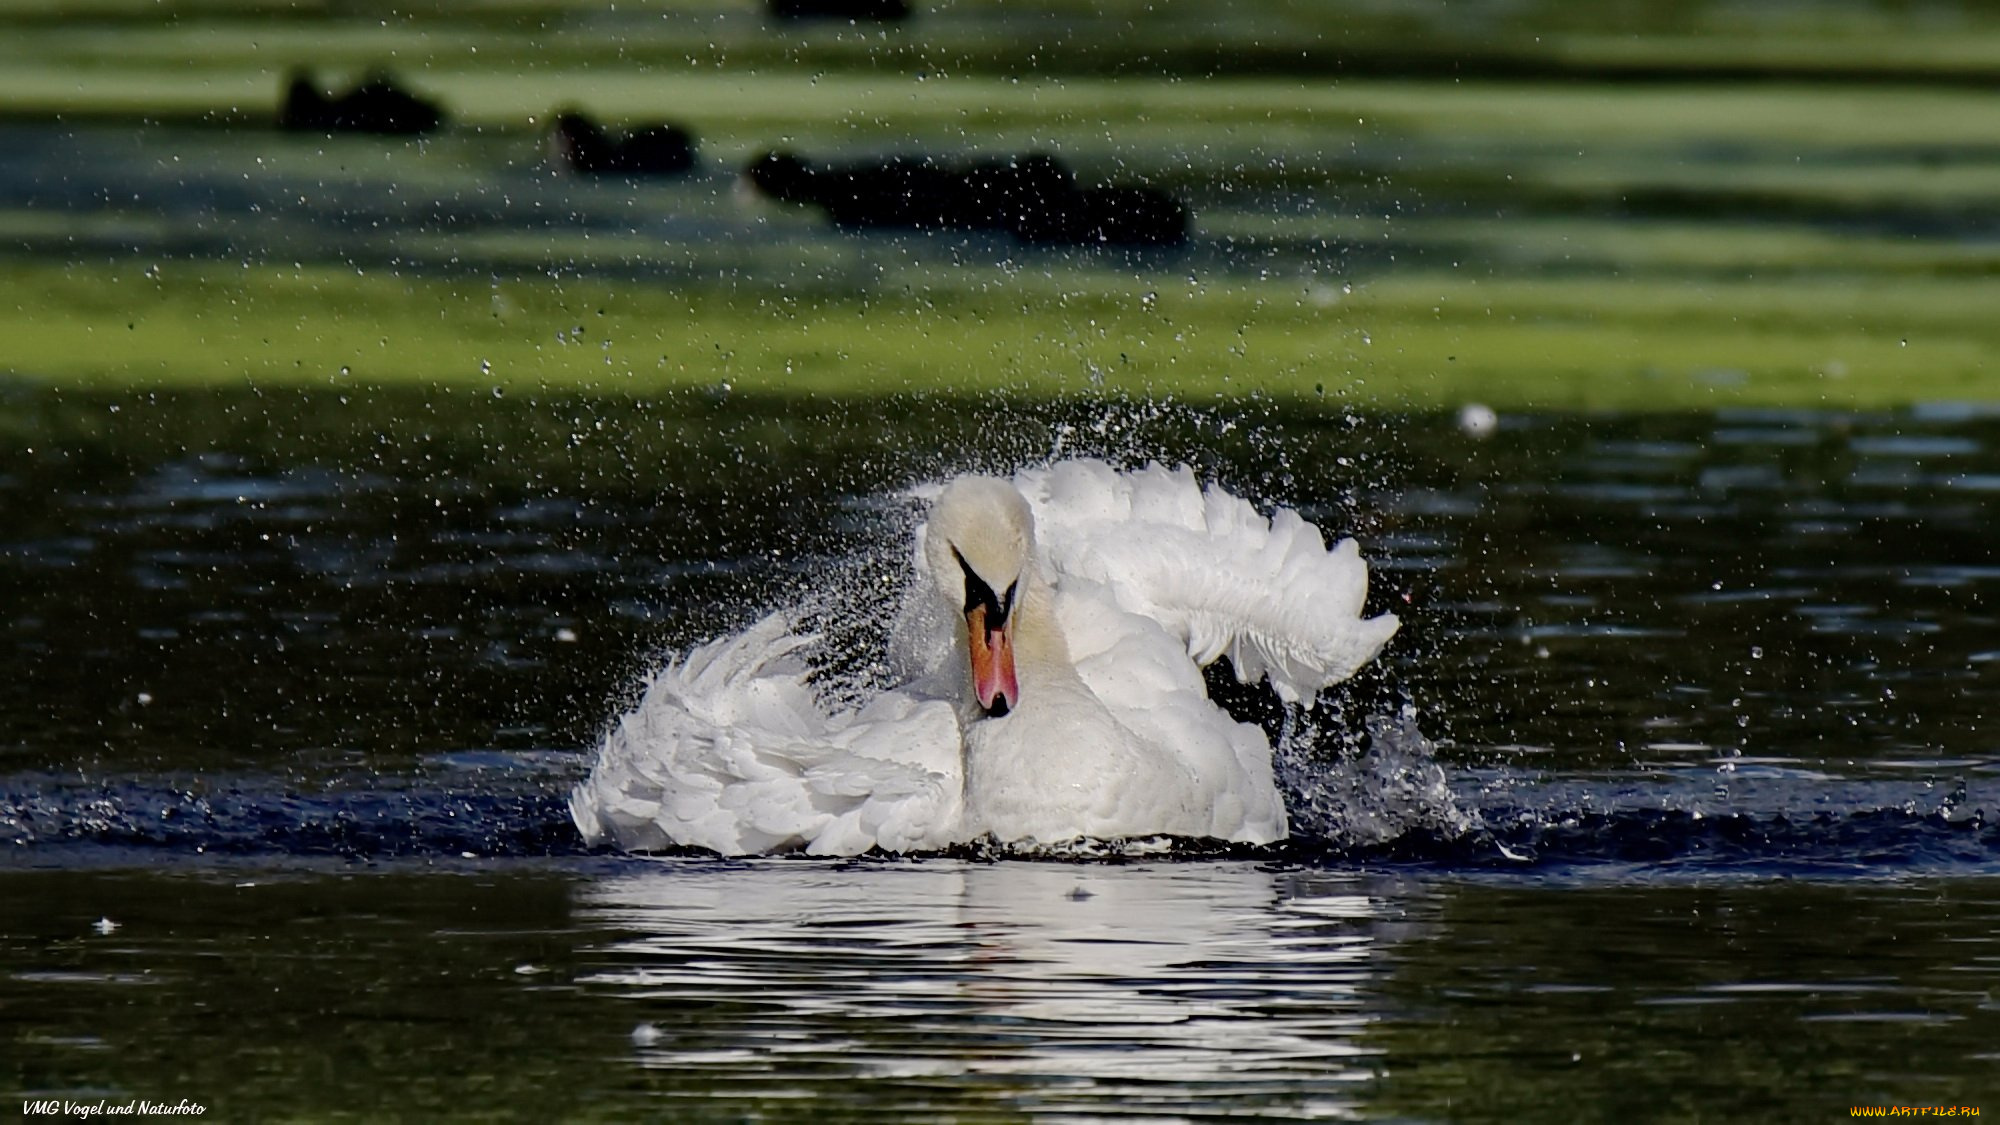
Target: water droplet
1478	420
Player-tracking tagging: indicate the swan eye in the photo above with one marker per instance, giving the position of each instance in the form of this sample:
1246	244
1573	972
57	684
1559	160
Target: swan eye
978	593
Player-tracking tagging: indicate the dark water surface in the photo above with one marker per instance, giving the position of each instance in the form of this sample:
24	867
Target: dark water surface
1675	797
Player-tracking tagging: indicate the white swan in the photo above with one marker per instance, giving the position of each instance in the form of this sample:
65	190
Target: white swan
1051	651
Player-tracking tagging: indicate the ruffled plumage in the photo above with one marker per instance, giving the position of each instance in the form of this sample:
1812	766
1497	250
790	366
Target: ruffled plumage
729	750
1131	581
1266	593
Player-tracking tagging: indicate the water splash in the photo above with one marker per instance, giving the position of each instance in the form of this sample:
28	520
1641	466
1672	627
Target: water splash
1346	795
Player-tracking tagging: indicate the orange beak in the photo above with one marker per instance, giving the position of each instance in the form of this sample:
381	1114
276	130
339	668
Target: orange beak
992	663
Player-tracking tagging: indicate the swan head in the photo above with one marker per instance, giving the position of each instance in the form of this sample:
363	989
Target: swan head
977	547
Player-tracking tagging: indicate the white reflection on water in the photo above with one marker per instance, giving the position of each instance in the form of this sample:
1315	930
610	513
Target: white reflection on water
1166	988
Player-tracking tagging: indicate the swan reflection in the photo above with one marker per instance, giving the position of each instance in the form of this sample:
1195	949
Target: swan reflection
1172	987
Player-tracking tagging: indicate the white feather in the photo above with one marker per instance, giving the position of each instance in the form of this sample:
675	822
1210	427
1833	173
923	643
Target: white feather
729	750
1266	593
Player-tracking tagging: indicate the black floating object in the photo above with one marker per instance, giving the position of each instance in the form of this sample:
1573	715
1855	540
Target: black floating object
1035	198
1031	197
906	192
878	10
782	176
377	106
650	150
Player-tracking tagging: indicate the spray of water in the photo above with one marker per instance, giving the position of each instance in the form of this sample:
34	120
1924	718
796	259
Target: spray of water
1352	778
1359	789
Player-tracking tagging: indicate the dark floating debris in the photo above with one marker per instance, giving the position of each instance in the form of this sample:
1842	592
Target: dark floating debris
377	105
898	192
1035	198
884	11
581	145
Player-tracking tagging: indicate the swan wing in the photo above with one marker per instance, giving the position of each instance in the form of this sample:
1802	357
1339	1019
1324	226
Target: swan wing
1212	570
729	750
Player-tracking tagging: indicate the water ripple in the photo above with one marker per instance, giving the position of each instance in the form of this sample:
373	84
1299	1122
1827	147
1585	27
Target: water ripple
1398	811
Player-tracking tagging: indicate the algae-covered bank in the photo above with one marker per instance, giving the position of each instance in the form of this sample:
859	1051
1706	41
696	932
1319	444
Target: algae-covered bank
1667	207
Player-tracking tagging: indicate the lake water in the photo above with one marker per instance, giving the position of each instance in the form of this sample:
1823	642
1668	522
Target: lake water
1675	797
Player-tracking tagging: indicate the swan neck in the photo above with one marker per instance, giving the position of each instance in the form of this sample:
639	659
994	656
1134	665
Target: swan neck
1040	650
